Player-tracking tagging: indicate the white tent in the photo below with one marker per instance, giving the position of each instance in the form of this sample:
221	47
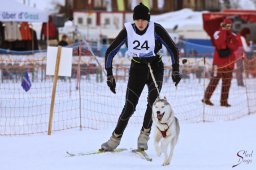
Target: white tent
185	22
11	10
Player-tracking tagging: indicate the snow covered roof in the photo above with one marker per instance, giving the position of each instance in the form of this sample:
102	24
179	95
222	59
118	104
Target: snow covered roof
186	22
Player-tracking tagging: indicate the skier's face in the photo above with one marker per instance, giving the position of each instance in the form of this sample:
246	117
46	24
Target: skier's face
141	24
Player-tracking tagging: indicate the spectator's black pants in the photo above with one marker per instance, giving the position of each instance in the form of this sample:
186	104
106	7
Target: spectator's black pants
139	76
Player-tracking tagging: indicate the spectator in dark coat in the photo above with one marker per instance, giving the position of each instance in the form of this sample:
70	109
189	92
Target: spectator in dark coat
63	41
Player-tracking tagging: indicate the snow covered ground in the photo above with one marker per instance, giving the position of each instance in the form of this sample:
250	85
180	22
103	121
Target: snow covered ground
201	146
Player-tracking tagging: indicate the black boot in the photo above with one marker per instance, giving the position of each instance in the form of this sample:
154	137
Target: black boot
225	104
207	102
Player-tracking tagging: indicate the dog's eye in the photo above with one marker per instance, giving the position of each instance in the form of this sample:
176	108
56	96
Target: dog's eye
162	107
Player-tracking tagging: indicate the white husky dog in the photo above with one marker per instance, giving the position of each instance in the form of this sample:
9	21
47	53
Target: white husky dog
167	129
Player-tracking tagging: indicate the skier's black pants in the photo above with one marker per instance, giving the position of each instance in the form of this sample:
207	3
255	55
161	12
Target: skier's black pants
139	76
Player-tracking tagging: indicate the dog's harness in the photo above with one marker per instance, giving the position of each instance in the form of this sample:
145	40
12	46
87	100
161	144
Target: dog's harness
168	126
163	132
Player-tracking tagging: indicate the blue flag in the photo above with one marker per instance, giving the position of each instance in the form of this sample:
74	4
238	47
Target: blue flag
26	84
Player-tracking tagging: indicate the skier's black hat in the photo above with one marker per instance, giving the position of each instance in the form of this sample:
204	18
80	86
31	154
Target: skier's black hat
141	12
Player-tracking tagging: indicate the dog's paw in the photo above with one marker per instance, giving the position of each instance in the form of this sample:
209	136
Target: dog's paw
166	163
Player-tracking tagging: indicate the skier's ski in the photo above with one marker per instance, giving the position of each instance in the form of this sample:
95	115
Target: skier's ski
71	154
142	153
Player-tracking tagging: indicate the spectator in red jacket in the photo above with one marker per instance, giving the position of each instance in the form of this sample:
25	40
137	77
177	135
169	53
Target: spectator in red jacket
49	31
225	42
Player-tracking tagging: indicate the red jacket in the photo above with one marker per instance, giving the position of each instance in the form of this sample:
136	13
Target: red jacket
25	31
52	31
225	39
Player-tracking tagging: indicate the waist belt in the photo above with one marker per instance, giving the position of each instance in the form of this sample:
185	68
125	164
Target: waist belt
156	58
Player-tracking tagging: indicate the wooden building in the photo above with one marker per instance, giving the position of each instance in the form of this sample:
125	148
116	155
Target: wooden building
157	6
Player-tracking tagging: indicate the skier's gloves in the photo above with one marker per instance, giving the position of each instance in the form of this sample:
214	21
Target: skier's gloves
176	77
111	83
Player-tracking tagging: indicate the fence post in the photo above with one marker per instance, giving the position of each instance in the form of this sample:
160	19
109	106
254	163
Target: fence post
204	88
80	49
56	74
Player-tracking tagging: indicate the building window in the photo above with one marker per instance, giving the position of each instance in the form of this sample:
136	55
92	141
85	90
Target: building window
107	21
80	21
89	21
70	3
99	4
160	4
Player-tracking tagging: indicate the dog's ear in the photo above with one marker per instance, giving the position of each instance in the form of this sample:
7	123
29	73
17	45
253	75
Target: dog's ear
157	99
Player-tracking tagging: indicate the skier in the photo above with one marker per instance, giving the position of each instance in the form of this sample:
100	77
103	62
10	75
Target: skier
144	39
